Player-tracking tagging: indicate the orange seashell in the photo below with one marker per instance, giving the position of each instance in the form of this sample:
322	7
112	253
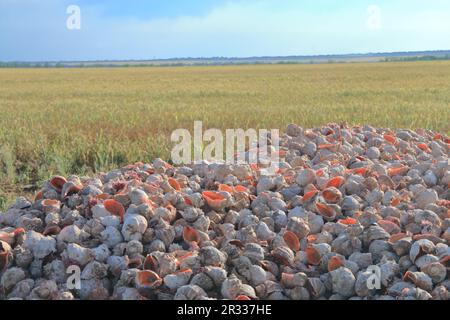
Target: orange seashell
242	297
313	256
187	201
428	236
328	146
292	240
148	279
174	184
389	138
180	259
73	189
38	196
408	276
335	182
311	238
190	235
150	263
310	187
224	187
423	147
330	195
361	171
309	195
389	226
397	171
50	202
51	230
335	262
58	182
4	255
240	188
325	210
348	221
445	261
103	196
114	207
395	202
214	199
237	243
395	237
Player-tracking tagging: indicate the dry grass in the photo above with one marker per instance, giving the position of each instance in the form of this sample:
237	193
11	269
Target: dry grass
81	120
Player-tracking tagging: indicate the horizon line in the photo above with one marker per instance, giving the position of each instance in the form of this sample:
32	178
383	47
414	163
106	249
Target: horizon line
336	55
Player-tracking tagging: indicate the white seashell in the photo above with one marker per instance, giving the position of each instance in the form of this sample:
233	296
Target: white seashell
343	282
111	237
178	279
11	277
40	245
78	254
133	227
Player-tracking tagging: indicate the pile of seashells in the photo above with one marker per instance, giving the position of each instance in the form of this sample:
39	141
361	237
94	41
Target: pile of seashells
347	204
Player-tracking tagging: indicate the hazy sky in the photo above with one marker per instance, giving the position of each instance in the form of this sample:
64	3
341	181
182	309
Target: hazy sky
36	30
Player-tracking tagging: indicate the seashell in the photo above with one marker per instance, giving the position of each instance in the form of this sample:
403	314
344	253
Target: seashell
292	280
114	207
283	255
343	282
298	226
78	254
375	232
335	182
190	235
191	214
291	240
426	197
350	203
425	259
421	247
305	177
111	236
211	256
254	252
440	293
315	252
50	205
335	262
134	226
264	233
215	200
401	246
316	287
326	211
420	279
190	292
40	245
178	279
148	280
69	188
11	277
436	271
332	195
57	182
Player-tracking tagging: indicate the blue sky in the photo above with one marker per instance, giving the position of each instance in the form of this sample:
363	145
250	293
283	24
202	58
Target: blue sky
36	30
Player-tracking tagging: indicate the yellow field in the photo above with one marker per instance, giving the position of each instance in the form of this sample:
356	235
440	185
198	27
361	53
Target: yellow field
79	120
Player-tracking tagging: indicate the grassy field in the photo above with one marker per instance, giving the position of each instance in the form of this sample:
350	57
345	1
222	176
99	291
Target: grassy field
75	121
